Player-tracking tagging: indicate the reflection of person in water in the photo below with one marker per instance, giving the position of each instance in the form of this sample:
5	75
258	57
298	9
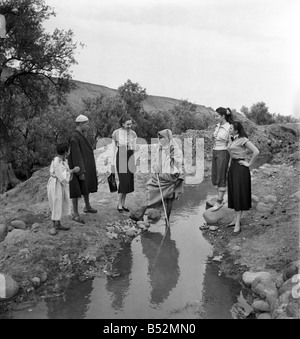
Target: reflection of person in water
73	301
119	286
163	266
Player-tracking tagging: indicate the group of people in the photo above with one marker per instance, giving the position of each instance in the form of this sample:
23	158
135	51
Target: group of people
67	184
230	166
73	171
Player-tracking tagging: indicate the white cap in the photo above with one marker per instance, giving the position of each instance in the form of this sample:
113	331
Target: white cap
82	118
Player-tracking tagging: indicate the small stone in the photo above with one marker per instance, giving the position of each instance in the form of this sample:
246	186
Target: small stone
19	224
131	232
264	316
249	277
218	258
213	228
261	306
35	227
36	281
44	277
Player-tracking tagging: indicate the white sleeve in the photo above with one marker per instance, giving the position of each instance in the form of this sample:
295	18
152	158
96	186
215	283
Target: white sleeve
61	171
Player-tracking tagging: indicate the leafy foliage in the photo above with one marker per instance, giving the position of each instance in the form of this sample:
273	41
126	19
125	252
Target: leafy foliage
187	116
34	75
259	113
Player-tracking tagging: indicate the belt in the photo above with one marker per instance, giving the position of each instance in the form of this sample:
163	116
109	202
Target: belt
126	147
238	159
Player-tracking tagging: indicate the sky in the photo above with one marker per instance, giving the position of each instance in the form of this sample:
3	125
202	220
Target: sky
229	53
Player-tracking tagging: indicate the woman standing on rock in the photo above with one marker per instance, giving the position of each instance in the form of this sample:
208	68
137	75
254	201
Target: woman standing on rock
239	179
124	146
220	157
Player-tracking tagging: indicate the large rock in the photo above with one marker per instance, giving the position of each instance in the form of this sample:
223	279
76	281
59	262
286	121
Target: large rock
210	203
3	232
212	217
19	224
261	306
263	316
255	200
249	277
154	214
8	287
287	286
293	309
265	288
292	269
269	199
16	237
263	207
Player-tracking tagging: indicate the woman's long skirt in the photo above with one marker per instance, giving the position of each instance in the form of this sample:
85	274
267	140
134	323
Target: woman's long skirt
239	186
125	167
171	186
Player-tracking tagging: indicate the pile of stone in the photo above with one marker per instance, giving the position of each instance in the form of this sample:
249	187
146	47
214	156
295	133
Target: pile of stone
129	228
275	295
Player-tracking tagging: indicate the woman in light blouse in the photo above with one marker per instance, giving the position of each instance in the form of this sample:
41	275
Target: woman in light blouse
124	146
220	157
239	179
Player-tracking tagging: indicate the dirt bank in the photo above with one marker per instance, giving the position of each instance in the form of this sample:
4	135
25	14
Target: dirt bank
84	251
267	241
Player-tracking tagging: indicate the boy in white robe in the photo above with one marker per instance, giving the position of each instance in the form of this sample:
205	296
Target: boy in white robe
58	188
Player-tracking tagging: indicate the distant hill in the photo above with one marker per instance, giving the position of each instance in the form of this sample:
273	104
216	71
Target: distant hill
87	90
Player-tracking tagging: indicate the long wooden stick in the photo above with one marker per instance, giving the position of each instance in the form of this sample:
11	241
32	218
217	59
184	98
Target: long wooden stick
163	202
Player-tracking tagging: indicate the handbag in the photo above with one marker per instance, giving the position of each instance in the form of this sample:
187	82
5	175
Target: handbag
112	182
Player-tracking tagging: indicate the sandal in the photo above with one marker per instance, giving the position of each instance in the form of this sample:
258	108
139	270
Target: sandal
89	210
78	219
125	209
62	227
232	225
120	210
236	233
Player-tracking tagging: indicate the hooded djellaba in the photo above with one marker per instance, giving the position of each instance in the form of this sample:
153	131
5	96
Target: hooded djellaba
167	181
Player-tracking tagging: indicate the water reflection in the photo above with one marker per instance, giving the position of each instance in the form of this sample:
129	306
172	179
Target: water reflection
73	302
119	286
218	292
163	269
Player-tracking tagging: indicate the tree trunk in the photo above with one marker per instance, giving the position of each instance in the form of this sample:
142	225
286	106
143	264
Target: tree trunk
8	179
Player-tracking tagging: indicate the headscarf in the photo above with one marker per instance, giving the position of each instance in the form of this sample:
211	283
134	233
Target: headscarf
167	134
175	153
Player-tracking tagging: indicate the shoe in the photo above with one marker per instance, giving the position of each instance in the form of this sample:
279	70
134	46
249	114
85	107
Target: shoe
62	227
78	219
120	210
89	210
236	233
52	231
125	209
216	207
232	225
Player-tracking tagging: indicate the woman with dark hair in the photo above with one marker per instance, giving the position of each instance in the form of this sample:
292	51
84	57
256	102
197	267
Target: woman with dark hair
124	146
220	158
58	187
239	179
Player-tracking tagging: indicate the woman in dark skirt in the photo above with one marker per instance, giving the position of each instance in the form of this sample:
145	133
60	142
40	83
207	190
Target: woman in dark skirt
239	179
124	146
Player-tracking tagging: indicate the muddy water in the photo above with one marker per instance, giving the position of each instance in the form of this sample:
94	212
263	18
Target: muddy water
161	275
